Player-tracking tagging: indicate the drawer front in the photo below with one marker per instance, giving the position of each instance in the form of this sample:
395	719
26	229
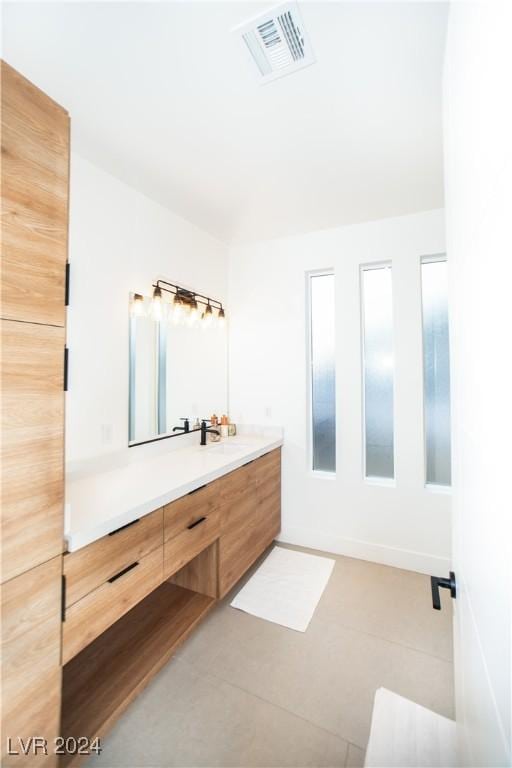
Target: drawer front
90	567
91	615
200	533
183	512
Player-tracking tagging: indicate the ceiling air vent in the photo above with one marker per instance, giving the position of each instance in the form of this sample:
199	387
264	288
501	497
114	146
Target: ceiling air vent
278	41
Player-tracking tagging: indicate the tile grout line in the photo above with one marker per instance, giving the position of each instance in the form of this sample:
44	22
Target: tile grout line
203	673
387	640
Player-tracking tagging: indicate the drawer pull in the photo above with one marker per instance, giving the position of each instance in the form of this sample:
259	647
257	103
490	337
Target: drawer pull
124	526
193	525
122	573
197	489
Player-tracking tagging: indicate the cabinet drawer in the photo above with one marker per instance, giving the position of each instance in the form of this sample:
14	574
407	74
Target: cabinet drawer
183	512
90	616
200	533
88	568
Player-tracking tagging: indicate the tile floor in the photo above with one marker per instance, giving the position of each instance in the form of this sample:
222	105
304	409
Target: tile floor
245	692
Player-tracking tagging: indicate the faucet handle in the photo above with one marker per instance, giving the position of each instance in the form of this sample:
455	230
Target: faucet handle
186	424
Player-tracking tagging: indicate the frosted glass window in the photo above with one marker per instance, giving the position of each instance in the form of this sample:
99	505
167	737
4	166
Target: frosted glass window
377	308
436	371
323	379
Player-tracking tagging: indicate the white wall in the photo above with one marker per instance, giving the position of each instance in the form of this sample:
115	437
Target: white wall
478	146
405	525
119	241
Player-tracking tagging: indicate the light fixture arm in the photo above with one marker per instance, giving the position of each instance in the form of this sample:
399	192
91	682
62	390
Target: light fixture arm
187	294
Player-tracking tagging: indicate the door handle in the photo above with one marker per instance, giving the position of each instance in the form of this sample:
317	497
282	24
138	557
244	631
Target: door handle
439	581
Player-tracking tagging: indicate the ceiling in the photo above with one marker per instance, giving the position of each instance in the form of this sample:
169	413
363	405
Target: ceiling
164	96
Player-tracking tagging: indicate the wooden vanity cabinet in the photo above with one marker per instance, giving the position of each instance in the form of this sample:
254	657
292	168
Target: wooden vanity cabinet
250	516
117	635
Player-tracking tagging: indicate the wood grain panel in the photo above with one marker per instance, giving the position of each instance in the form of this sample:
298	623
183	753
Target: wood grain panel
200	574
100	682
31	672
32	450
251	516
98	610
88	568
179	550
183	512
35	180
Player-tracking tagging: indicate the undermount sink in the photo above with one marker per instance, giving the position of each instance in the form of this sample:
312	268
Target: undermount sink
226	448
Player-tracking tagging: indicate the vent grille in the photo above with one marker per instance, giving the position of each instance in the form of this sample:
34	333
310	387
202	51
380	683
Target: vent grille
278	42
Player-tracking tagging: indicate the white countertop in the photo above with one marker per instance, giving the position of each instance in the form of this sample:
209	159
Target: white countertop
103	498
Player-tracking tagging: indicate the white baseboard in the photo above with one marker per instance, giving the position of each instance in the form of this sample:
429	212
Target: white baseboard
422	562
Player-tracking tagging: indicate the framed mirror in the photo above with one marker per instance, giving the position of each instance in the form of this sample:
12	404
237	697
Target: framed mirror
177	370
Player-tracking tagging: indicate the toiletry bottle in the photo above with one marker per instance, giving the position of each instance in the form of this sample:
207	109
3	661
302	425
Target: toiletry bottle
215	424
224	431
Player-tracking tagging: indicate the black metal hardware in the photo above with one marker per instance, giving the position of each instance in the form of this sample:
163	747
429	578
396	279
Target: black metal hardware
438	581
187	295
122	573
63	599
185	428
66	363
112	533
197	489
66	289
193	525
205	429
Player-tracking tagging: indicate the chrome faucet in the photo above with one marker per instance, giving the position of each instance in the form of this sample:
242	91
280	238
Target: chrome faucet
205	429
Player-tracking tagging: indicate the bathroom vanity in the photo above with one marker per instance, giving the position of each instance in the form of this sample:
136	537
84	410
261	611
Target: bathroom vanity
98	593
136	591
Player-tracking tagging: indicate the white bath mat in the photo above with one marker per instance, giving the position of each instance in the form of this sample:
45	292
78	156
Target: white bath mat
286	588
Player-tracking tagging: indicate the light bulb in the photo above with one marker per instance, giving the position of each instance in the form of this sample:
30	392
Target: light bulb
193	313
178	310
207	316
157	305
221	318
137	305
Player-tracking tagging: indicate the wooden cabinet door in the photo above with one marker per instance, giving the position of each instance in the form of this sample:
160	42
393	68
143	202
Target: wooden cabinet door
32	450
31	672
35	170
251	516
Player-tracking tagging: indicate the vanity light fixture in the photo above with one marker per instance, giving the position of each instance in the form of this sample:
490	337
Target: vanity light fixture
185	306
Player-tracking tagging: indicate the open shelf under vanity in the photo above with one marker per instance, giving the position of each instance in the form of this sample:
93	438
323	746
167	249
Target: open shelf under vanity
103	679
